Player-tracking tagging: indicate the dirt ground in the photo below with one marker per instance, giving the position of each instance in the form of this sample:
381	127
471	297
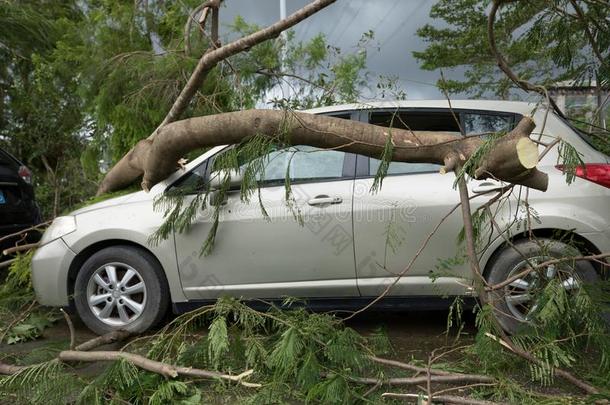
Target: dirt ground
412	334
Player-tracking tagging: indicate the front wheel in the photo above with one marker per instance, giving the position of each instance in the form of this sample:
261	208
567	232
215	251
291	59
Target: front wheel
515	304
121	288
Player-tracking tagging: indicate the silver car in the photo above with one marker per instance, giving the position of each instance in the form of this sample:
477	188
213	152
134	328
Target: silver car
352	241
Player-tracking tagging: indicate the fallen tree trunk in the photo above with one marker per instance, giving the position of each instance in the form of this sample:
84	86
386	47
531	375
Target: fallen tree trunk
512	158
122	174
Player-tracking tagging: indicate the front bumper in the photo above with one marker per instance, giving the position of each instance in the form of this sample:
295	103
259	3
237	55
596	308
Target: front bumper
50	266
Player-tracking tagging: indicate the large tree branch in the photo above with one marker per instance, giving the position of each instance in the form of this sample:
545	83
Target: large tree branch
502	63
211	59
588	33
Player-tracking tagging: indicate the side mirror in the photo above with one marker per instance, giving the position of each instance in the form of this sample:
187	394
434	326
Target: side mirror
218	178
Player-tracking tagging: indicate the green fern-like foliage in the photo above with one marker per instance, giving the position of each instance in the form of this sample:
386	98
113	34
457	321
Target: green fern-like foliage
17	303
386	158
570	159
181	205
284	347
566	329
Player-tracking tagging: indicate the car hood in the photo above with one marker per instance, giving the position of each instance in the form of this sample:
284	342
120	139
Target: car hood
137	196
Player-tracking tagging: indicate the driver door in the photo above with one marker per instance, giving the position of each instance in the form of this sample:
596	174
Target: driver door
259	257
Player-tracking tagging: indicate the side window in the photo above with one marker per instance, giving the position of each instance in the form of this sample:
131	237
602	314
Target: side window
194	181
304	163
480	123
403	168
416	121
445	121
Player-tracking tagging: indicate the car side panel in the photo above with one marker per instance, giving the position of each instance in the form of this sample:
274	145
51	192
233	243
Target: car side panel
390	227
133	222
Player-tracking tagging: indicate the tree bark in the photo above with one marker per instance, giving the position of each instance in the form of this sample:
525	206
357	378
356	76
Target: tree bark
110	337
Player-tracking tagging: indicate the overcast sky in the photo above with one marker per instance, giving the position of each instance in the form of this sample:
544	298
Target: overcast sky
394	23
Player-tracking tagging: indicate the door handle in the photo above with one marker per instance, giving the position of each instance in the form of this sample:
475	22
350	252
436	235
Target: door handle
324	200
488	186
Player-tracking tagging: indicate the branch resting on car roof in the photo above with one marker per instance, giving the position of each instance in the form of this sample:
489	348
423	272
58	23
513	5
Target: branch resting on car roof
511	158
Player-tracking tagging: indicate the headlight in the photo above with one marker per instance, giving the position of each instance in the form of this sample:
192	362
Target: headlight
61	226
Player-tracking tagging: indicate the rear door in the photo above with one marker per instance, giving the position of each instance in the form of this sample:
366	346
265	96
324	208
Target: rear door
255	257
391	225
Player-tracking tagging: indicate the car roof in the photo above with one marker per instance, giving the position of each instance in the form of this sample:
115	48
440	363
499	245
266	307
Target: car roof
520	107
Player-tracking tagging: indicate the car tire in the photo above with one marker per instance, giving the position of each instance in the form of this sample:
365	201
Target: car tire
509	262
135	299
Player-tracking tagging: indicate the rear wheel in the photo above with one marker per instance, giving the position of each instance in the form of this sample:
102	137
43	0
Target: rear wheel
121	287
516	302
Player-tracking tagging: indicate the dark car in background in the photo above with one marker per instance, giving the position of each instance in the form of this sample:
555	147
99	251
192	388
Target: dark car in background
18	208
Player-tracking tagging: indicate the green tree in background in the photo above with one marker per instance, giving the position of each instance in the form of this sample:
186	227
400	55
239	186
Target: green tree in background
84	81
41	111
543	41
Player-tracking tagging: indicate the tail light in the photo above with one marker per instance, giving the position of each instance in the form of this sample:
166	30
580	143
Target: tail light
598	173
25	174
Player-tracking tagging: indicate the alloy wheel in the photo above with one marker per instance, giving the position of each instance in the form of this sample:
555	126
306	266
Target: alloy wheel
522	295
116	294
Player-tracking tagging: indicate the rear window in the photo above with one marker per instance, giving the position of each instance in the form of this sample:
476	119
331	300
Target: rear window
595	136
8	160
466	121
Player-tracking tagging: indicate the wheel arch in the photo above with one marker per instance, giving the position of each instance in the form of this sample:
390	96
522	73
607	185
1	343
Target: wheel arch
568	236
83	255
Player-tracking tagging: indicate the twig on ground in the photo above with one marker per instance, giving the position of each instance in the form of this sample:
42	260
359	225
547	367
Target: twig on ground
19	248
9	369
452	399
111	337
566	375
164	369
70	327
407	366
447	379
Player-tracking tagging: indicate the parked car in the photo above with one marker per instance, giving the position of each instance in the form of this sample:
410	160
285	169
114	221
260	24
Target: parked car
98	258
18	208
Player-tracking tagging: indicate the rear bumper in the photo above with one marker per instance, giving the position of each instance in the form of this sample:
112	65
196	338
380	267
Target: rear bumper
50	266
